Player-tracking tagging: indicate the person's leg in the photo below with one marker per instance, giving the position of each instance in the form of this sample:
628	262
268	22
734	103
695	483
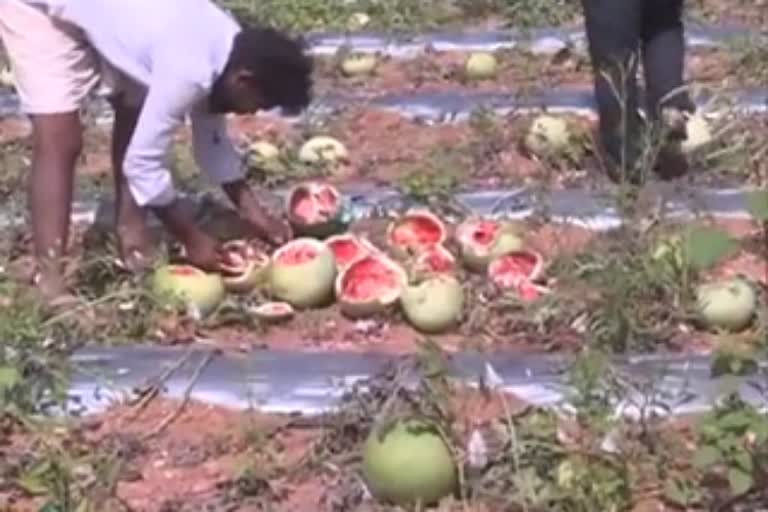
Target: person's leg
134	240
664	57
663	67
57	141
54	72
613	35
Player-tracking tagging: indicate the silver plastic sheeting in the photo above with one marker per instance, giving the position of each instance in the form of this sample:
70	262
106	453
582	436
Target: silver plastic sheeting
457	106
541	40
312	383
451	106
591	209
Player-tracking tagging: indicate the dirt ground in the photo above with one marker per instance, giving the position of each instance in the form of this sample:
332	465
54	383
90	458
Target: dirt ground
518	72
160	455
489	321
213	459
487	151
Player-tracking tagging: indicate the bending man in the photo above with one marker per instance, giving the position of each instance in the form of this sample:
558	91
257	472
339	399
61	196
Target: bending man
163	61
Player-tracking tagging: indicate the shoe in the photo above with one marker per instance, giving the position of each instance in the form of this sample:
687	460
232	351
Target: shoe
671	162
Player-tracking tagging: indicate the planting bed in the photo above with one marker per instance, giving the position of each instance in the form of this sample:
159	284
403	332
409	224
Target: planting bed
518	71
386	148
491	318
550	330
161	455
211	458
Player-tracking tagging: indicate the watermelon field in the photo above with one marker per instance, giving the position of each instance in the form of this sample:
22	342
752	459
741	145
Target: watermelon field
470	318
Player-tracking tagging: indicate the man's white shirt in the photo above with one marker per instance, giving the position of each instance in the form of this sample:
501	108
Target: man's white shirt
176	49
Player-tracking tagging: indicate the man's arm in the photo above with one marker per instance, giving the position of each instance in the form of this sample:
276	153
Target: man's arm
216	155
168	100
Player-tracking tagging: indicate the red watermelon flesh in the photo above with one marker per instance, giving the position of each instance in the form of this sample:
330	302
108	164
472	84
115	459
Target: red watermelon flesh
297	255
417	232
510	270
314	206
368	279
346	250
437	259
485	232
184	270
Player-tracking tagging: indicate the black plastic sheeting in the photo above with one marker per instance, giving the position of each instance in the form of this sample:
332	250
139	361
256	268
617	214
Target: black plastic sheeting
312	383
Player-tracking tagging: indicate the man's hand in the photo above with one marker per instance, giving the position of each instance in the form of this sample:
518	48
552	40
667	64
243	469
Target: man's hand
266	226
200	249
203	252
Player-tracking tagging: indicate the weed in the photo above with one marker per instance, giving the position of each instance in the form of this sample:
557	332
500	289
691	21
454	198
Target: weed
33	369
14	159
734	436
68	472
751	59
400	15
306	15
526	13
717	12
590	459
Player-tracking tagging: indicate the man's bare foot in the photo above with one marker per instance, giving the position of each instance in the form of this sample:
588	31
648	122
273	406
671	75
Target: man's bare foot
137	250
52	291
135	245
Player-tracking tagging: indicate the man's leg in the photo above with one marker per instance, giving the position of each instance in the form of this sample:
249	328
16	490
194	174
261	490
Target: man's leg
663	66
613	34
57	141
664	56
134	240
54	73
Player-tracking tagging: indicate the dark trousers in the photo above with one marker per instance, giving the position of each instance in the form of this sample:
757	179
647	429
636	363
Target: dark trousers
622	34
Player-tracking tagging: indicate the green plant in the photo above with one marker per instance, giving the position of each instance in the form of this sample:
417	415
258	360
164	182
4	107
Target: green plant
733	444
14	158
538	469
71	476
524	13
33	367
306	15
436	177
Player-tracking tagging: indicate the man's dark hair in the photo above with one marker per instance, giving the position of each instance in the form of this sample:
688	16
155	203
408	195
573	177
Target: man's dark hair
282	68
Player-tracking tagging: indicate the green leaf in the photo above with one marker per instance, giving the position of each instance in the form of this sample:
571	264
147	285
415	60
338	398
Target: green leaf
728	443
33	484
743	459
740	481
681	492
737	420
706	456
757	204
704	247
729	363
9	377
760	429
